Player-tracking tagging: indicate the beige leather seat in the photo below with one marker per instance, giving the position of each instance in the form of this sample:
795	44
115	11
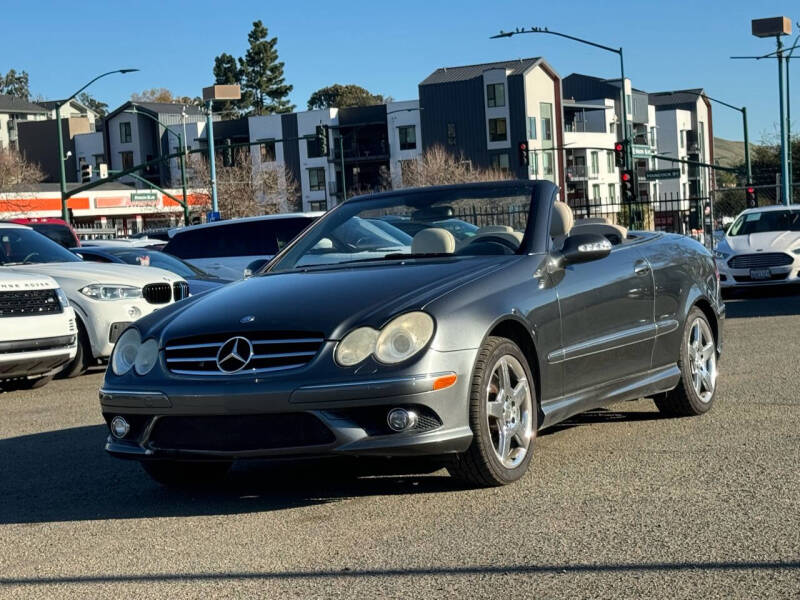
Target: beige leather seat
433	240
561	223
495	229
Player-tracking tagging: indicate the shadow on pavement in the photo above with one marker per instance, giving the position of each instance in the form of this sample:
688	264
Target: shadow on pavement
603	415
773	301
65	475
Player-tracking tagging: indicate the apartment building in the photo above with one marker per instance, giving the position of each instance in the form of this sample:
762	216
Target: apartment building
70	108
367	144
14	110
482	113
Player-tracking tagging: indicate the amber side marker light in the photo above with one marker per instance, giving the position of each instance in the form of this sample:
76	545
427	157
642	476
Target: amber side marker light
445	381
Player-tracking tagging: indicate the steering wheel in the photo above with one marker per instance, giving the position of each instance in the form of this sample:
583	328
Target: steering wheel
31	255
497	240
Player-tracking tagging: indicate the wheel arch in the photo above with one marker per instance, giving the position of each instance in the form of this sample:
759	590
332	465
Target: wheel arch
515	329
705	306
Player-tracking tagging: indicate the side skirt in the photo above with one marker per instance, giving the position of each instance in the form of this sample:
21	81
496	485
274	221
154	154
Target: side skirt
629	388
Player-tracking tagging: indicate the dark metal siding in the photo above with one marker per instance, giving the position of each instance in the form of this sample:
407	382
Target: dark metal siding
358	115
581	87
517	129
291	150
460	102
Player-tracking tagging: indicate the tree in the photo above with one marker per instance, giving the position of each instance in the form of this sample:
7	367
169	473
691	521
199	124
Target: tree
262	74
227	72
15	84
244	190
165	95
16	173
437	166
101	108
341	96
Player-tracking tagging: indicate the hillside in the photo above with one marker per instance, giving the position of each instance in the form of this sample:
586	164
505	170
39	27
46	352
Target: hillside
729	153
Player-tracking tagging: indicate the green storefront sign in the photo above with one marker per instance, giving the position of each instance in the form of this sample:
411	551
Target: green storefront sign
150	197
654	174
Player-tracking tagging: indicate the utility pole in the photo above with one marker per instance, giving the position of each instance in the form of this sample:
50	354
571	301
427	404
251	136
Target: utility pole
211	93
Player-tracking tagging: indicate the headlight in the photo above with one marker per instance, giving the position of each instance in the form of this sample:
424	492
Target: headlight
62	298
721	255
796	250
105	291
124	355
356	346
403	337
399	340
147	357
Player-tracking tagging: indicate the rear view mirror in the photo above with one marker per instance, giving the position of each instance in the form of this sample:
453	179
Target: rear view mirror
583	247
254	267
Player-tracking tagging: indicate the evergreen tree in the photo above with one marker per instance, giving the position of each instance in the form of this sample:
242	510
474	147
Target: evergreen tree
262	74
16	84
341	96
101	108
227	72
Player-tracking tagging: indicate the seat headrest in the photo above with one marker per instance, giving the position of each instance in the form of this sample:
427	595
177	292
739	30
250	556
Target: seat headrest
495	229
561	220
433	240
616	234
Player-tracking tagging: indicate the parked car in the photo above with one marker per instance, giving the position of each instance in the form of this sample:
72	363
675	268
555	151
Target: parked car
762	246
226	248
159	233
199	281
106	298
428	351
142	242
57	230
38	335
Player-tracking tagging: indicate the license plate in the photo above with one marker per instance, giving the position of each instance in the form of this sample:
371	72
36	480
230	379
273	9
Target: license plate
760	274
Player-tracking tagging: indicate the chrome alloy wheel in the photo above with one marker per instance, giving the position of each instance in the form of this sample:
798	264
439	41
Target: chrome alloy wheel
509	410
702	360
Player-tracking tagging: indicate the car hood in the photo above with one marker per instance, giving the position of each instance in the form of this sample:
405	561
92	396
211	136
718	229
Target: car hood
12	280
771	241
72	275
328	301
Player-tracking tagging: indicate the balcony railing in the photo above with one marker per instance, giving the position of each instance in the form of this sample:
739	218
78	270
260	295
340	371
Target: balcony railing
379	149
579	172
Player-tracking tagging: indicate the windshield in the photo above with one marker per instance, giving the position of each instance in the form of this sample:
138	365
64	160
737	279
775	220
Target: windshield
25	246
153	258
438	223
60	234
761	222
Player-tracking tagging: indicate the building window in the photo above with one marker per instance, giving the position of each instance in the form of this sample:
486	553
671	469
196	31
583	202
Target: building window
500	161
612	193
497	130
317	205
595	163
533	164
531	128
685	190
611	128
610	161
408	137
630	103
683	138
495	95
99	159
125	133
546	114
451	134
316	179
547	164
596	192
653	137
313	149
127	159
268	151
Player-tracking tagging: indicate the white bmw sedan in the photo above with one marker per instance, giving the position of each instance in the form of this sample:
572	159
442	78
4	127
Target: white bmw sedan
761	247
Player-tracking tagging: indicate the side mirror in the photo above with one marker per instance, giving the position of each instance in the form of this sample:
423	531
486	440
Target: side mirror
254	267
583	247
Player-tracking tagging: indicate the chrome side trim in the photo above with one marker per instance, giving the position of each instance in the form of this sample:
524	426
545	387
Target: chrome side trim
604	343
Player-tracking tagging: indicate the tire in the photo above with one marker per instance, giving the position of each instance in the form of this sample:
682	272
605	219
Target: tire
178	474
496	403
80	363
689	399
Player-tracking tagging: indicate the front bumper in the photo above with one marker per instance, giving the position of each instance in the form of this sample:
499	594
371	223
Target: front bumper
741	278
36	358
242	420
106	320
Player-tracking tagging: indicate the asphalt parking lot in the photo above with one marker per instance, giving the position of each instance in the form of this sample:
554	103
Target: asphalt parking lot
618	503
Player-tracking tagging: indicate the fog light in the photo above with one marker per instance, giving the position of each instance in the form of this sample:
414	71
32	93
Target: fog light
400	419
119	427
134	312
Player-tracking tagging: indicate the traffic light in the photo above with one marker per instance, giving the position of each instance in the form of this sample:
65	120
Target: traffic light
86	173
752	201
628	193
103	170
619	153
524	156
322	140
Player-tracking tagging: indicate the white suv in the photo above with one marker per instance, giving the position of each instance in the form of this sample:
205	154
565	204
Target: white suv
38	335
106	297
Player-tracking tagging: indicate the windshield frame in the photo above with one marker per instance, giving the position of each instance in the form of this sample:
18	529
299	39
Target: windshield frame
58	249
535	239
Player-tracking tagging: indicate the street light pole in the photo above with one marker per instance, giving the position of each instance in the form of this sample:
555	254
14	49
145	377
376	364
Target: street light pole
61	159
212	166
784	143
624	103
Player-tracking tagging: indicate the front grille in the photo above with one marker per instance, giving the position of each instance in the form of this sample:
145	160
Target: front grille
272	351
232	433
760	260
180	290
19	303
157	293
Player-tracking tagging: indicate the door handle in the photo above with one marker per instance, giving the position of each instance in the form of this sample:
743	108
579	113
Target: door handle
642	267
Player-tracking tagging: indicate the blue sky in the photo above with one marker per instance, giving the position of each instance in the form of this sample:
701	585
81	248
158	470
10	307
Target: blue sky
668	44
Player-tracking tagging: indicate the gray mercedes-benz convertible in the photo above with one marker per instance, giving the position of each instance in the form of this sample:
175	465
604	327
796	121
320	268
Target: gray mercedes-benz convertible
358	339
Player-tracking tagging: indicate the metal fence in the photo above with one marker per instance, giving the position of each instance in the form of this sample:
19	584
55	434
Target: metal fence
514	216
